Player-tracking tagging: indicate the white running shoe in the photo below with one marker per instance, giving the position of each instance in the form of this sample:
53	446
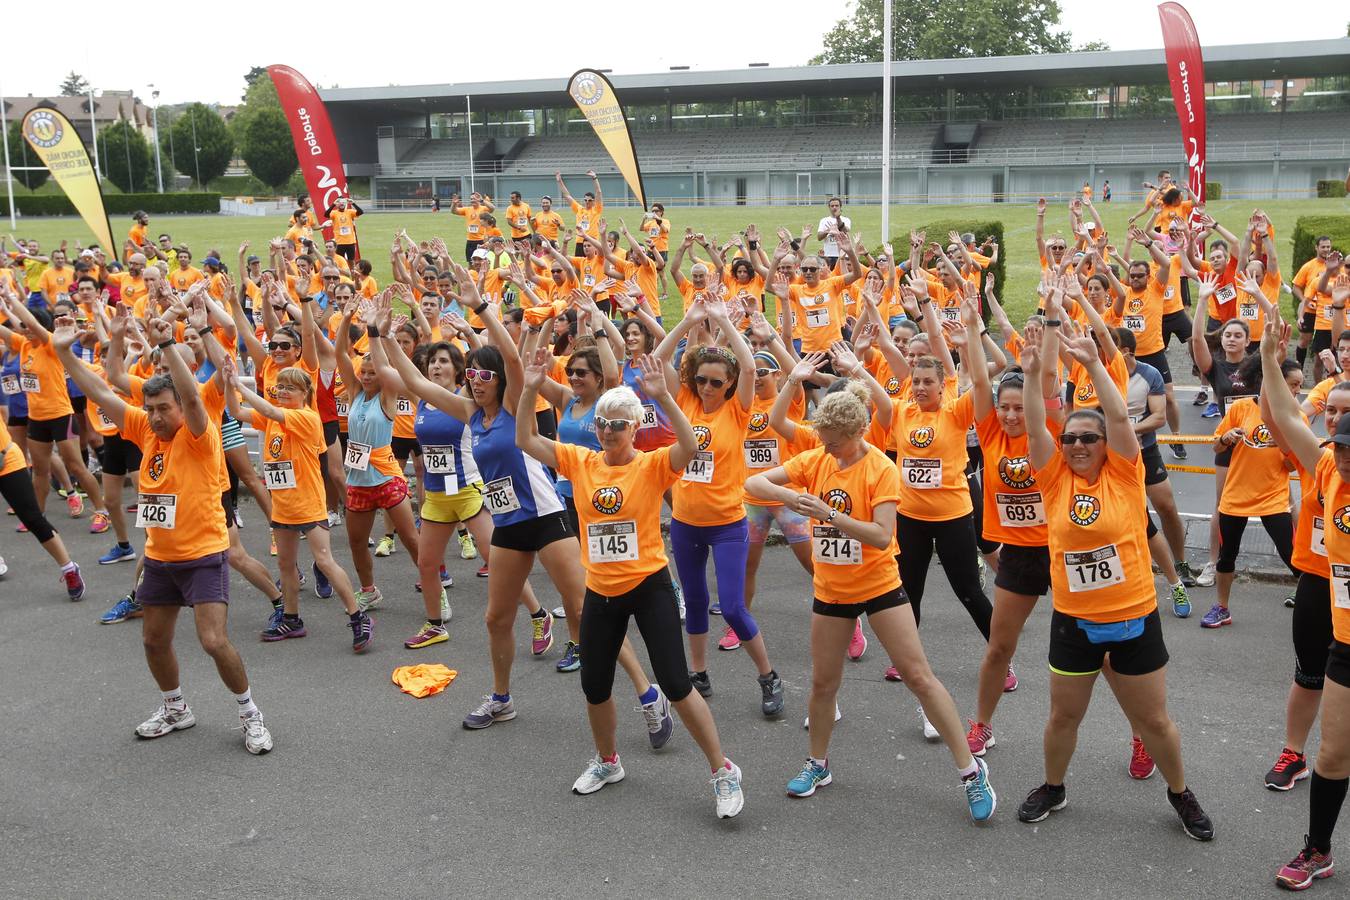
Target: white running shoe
598	774
165	720
368	600
727	789
559	612
1206	576
3	567
445	606
257	739
806	723
929	732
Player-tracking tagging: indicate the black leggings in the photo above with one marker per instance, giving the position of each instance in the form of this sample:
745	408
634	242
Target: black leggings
1312	631
955	539
974	481
17	489
604	623
1280	527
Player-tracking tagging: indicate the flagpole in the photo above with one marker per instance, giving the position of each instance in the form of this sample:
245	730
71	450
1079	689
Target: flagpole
468	120
886	127
9	173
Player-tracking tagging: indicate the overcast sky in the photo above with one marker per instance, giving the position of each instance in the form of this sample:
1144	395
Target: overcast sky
418	42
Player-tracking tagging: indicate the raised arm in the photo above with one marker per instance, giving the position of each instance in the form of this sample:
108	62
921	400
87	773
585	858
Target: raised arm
195	418
1119	430
1283	406
113	406
528	438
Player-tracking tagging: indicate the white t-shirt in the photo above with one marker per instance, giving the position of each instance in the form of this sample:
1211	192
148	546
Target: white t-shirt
830	247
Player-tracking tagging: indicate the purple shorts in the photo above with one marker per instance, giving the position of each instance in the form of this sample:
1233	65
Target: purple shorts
187	583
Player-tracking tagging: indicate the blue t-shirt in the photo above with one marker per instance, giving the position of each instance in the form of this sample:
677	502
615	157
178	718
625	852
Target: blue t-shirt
516	487
447	445
367	424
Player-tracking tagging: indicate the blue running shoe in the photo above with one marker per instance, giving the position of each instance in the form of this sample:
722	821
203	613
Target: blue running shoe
1181	602
1211	411
980	796
74	583
812	776
275	618
118	554
571	658
284	629
322	589
126	608
1217	617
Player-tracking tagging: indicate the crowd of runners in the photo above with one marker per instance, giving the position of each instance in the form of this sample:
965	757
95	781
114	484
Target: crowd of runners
525	402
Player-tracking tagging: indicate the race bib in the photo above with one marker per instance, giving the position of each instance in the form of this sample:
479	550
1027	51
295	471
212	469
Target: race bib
588	280
648	416
1133	323
473	228
104	421
438	460
818	317
700	468
345	229
156	511
1091	570
1317	540
951	313
832	547
1247	311
404	407
612	542
761	454
500	496
654	233
1225	293
30	383
279	476
358	456
10	384
1020	510
923	474
342	407
1340	586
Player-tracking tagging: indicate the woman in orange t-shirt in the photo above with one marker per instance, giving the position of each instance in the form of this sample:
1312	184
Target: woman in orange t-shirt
716	392
849	489
1257	485
16	487
1105	600
619	490
292	450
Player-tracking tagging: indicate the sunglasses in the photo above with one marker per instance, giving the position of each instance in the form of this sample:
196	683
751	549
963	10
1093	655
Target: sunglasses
578	373
1068	440
612	425
701	380
556	271
810	268
761	373
331	278
483	375
279	345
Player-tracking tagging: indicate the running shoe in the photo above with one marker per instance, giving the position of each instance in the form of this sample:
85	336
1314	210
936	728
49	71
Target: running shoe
571	658
1178	450
979	738
257	739
1206	576
21	528
1186	574
385	546
4	567
368	600
166	719
660	723
446	612
727	790
1141	764
334	519
1288	770
980	797
715	609
929	732
857	645
1181	603
99	523
598	774
278	612
892	674
1041	802
729	640
323	589
1193	819
490	711
812	776
771	694
467	548
838	714
75	505
303	580
1211	411
981	568
559	612
702	683
1299	873
126	608
446	580
118	554
430	634
363	629
1010	681
482	571
74	584
1289	601
285	629
543	633
1217	617
1201	398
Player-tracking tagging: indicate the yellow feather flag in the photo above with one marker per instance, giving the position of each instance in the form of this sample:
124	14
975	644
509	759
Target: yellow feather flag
598	102
61	150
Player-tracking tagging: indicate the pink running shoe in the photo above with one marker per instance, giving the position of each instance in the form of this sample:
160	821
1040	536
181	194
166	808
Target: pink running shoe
893	674
857	645
1141	764
1010	681
979	738
729	640
75	504
543	633
99	523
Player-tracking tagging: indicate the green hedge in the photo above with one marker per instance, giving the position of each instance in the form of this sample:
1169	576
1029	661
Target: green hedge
1331	188
1213	190
981	228
1309	228
121	204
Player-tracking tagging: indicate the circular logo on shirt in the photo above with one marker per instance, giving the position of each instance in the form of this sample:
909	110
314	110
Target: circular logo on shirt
1342	520
1260	438
1084	392
44	129
155	468
758	422
274	446
1085	509
607	500
892	386
922	437
839	501
1135	305
703	435
1016	472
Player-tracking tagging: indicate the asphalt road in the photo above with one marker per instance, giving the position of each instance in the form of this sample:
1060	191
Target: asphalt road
372	793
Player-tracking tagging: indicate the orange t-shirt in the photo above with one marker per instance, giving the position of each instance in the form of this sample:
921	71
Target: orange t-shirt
11	456
42	378
268	376
619	510
588	220
1336	497
645	275
290	462
766	448
709	491
750	295
137	235
1085	393
182	476
592	272
1310	549
518	218
846	570
473	225
548	224
182	279
1099	562
1248	309
1143	315
406	412
1306	281
344	226
1258	477
57	281
97	420
1014	508
1172	293
133	290
931	455
817	313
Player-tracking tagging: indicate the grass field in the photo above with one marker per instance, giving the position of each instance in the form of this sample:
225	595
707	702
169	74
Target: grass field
224	233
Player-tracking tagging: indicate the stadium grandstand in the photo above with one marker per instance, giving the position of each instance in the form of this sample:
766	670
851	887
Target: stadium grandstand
964	130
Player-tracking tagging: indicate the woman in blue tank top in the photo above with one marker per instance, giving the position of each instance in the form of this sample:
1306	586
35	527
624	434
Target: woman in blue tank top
640	337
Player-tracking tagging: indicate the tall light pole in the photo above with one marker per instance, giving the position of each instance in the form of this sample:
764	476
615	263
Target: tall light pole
195	162
886	126
9	173
154	115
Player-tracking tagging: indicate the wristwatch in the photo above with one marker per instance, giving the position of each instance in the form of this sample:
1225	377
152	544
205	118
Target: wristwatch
833	513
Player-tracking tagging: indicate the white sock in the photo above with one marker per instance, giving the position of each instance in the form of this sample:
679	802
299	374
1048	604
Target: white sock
970	770
823	763
1178	584
69	567
246	705
173	697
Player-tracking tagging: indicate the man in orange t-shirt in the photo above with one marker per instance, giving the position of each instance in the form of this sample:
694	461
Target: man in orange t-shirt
138	236
474	230
547	223
518	216
588	212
